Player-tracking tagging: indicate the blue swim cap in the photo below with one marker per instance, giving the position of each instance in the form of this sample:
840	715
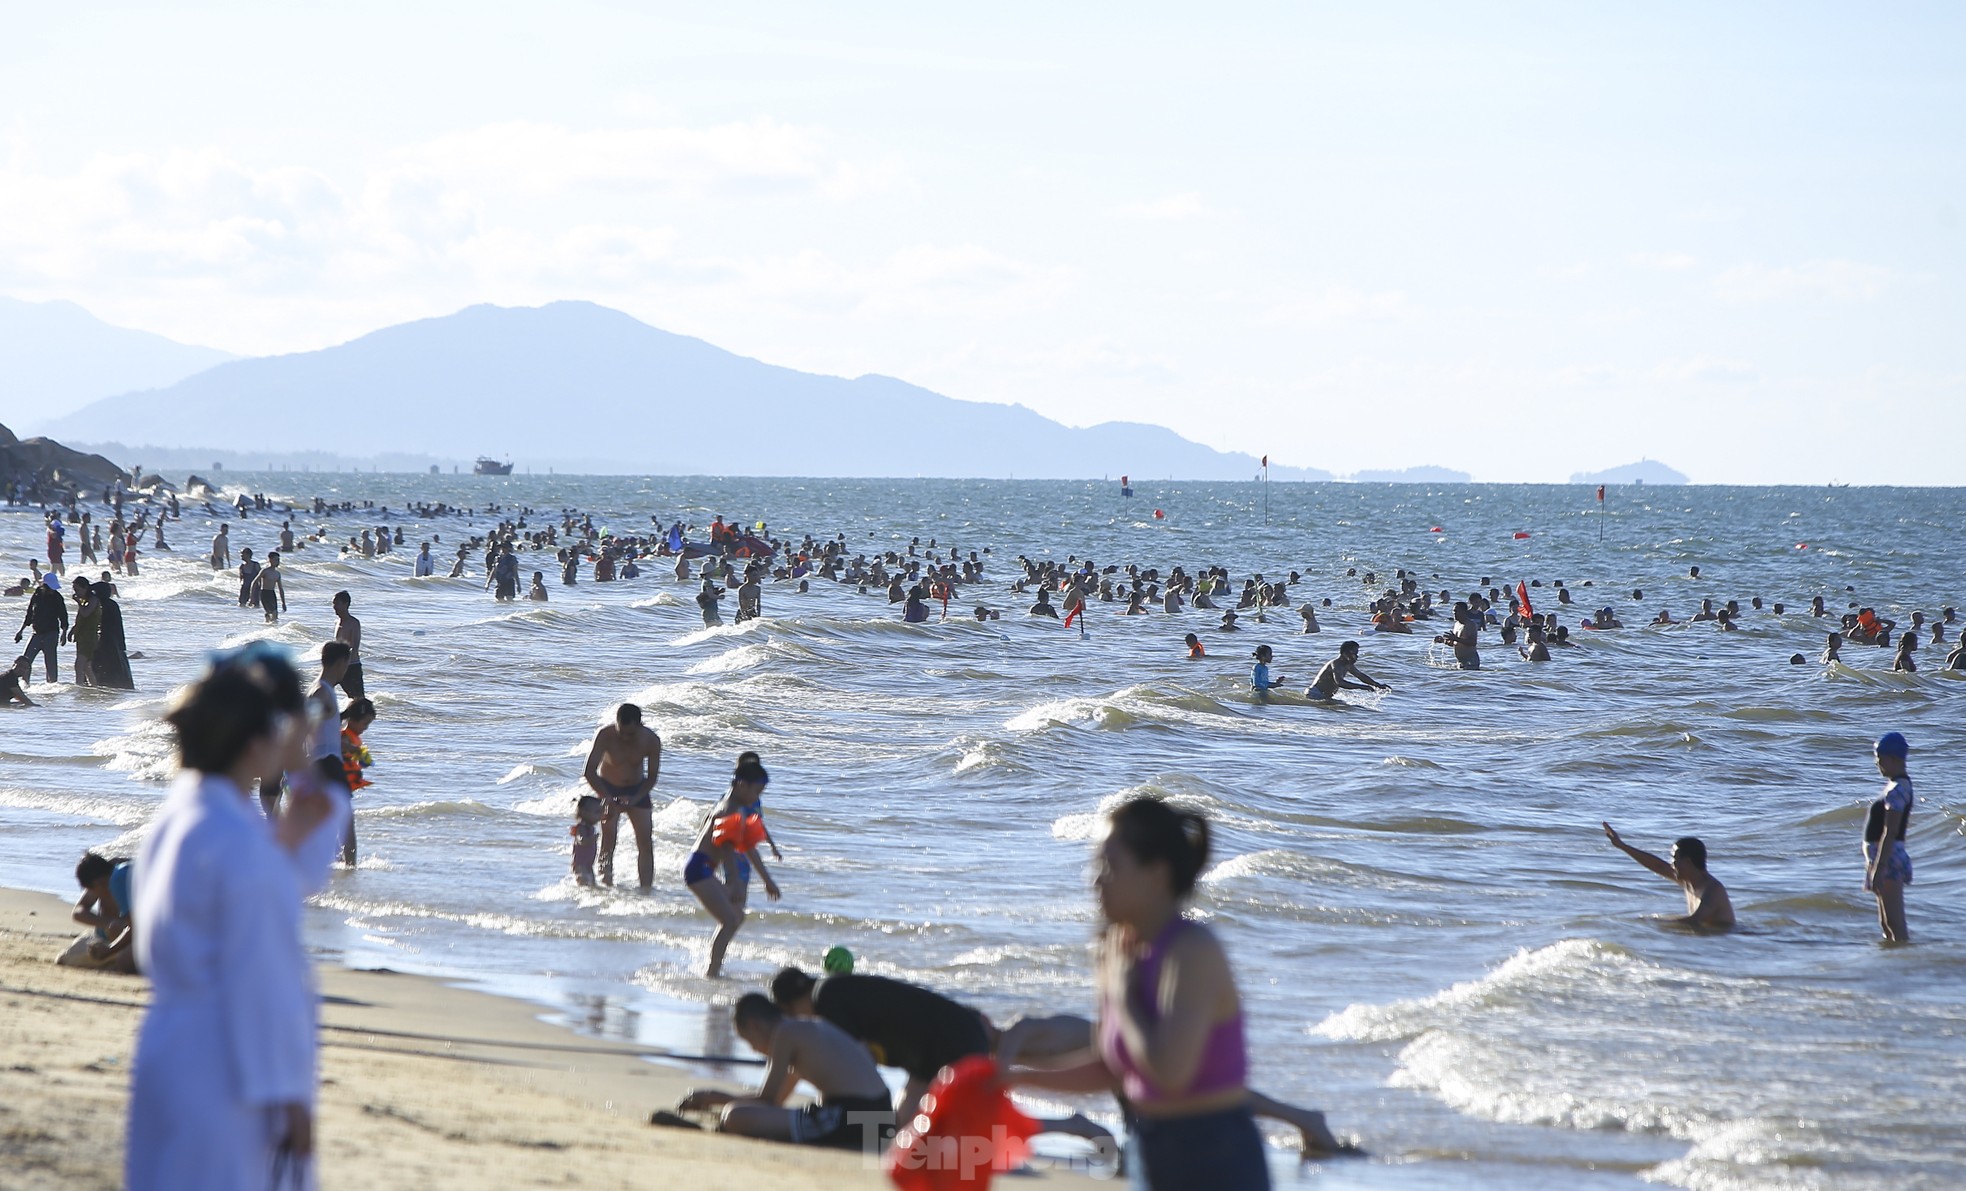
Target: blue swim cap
1892	744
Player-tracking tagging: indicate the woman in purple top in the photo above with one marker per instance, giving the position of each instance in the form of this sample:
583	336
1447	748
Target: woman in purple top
1169	1033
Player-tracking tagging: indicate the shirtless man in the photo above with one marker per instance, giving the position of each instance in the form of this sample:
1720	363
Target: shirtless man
853	1105
348	631
222	549
1333	677
1707	904
622	768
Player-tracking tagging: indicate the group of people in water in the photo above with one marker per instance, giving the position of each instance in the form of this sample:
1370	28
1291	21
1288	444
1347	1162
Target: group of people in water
1167	1040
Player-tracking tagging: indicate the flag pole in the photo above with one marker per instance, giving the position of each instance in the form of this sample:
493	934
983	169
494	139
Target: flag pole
1266	490
1600	514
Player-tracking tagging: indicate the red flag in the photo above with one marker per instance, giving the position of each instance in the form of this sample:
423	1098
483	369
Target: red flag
1522	597
1600	494
1077	610
1266	463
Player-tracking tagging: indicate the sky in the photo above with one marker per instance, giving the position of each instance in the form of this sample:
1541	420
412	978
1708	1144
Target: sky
1520	240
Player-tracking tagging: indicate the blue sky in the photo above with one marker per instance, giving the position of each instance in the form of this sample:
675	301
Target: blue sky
1519	240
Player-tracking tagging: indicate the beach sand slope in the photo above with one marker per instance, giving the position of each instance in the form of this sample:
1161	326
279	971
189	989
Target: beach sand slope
526	1104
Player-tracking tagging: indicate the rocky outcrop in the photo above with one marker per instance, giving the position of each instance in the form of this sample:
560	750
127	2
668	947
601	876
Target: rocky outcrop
198	485
47	466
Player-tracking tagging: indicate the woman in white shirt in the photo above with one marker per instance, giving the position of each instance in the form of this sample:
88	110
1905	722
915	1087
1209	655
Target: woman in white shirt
224	1079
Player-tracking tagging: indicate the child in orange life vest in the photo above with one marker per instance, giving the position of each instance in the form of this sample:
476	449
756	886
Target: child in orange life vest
355	720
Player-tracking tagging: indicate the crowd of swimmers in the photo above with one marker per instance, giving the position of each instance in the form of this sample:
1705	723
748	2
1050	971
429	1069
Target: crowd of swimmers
1167	1041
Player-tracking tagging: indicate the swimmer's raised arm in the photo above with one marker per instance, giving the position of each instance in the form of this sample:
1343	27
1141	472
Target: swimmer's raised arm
1641	855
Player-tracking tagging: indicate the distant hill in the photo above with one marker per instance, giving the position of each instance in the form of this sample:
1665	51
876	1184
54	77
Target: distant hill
1645	471
56	357
1412	475
577	386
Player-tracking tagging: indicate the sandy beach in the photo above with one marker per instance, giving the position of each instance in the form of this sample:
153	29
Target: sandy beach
404	1101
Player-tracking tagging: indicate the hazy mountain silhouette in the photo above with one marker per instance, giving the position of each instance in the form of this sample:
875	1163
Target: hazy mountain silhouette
56	357
1645	471
577	386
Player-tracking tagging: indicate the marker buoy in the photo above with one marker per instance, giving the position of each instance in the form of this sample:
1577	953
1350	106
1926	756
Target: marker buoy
1436	529
1802	545
1520	535
1158	514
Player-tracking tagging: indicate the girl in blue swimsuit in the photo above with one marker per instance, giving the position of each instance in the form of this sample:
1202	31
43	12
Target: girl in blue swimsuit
725	899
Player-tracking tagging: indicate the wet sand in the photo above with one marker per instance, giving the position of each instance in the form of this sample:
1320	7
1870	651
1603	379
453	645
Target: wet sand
405	1101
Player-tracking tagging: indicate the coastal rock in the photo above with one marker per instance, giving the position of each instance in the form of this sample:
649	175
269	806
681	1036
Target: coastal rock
46	463
197	485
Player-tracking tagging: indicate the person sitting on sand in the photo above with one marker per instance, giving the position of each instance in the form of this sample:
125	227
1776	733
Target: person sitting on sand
1332	678
853	1109
105	905
1707	904
902	1025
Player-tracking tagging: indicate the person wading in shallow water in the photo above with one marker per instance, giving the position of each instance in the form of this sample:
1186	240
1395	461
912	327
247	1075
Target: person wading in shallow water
622	768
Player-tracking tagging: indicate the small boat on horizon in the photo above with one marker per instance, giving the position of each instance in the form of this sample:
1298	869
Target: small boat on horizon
491	467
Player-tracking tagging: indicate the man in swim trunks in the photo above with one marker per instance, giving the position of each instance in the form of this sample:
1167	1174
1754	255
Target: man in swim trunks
1707	904
622	769
902	1024
348	630
1333	677
853	1110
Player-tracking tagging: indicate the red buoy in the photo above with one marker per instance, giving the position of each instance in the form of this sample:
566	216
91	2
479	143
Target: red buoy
1436	529
1519	535
1158	514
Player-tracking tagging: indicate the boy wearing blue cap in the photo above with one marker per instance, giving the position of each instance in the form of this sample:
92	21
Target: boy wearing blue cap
1887	866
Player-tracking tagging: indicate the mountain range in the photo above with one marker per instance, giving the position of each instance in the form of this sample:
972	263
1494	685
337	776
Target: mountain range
579	387
54	356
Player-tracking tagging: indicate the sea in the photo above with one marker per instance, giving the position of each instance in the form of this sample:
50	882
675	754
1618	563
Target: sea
1434	941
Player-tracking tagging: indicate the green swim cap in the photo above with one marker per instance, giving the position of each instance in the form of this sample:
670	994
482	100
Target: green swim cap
838	962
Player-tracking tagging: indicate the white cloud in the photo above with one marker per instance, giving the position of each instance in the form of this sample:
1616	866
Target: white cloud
1662	262
1824	280
1704	369
1175	206
1338	303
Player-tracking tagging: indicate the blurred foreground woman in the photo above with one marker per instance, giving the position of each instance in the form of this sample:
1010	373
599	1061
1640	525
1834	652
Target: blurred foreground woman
224	1078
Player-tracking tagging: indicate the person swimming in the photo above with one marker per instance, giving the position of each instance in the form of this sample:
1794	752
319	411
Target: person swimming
1707	903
